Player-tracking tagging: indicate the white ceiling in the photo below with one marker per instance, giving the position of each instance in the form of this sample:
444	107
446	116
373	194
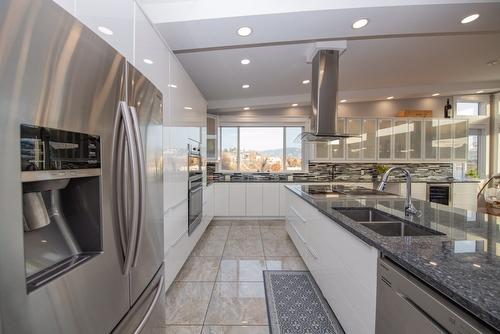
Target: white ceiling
406	51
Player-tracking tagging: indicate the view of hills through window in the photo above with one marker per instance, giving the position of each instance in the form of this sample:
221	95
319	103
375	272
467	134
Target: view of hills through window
261	149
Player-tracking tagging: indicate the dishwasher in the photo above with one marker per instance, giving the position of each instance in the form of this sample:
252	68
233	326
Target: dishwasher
407	306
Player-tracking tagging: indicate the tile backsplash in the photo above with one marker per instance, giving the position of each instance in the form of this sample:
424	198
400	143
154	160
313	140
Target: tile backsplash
328	171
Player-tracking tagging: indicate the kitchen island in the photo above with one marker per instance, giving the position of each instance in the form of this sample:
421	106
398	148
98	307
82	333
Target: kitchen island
462	263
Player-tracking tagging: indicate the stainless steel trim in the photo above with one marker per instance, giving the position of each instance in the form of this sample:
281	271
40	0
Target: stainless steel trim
47	175
142	183
195	190
151	307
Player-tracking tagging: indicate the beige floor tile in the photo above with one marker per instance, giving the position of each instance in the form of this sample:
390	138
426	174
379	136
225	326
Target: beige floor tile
199	269
220	223
272	223
235	330
249	222
187	302
285	263
241	269
244	232
273	233
241	303
216	232
178	330
279	247
209	247
243	247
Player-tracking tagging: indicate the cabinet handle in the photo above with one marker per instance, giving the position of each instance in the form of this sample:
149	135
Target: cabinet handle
313	253
298	234
298	215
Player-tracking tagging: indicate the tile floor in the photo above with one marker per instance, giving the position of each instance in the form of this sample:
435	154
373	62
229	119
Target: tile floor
220	288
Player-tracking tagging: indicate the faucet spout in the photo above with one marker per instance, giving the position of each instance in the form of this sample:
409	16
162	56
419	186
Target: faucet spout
409	207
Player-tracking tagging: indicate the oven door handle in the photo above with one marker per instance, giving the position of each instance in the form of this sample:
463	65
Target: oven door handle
195	190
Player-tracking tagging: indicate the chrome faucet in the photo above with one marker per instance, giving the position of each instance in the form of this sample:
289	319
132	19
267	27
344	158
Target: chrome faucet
409	208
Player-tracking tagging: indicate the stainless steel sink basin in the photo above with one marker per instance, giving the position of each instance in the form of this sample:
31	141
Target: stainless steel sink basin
385	224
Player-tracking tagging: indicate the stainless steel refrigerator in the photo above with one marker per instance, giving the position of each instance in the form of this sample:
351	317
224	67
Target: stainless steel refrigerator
81	180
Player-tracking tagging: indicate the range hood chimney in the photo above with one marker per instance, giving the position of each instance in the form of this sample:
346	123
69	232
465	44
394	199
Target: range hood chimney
325	83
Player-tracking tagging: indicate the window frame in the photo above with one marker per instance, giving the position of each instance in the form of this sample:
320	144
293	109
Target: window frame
238	143
481	150
481	101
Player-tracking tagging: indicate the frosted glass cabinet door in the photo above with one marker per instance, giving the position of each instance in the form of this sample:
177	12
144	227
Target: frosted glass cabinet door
337	149
460	140
321	151
384	139
354	143
369	139
445	138
415	137
431	139
400	142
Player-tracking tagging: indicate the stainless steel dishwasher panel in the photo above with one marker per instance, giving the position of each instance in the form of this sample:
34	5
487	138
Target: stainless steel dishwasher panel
407	306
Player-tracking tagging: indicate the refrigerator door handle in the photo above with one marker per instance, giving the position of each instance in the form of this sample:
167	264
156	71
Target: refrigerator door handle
127	225
142	183
151	307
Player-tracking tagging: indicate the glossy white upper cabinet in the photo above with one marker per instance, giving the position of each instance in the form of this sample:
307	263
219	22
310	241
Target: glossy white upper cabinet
431	139
151	55
369	139
415	128
445	139
68	5
400	131
187	106
384	139
354	143
113	20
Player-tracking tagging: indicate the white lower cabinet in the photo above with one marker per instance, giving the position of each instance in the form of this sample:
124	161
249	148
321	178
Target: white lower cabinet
237	199
344	267
418	190
208	203
271	199
464	195
253	199
221	197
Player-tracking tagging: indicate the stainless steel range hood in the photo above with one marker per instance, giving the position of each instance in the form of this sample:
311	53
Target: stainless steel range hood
325	83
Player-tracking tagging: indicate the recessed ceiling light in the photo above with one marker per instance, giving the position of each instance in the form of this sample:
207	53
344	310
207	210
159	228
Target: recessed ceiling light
305	82
469	19
295	104
148	61
390	97
480	92
172	85
245	61
245	86
244	31
360	23
246	108
342	101
436	94
188	108
105	30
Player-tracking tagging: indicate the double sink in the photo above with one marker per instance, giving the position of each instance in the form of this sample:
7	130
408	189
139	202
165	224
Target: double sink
384	223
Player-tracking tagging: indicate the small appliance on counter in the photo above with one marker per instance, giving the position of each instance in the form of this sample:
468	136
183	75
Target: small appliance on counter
488	199
195	188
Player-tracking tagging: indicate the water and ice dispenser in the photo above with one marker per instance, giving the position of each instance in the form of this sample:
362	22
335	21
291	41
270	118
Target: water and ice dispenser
60	173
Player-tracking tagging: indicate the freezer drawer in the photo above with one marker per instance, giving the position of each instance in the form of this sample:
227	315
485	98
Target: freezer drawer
148	312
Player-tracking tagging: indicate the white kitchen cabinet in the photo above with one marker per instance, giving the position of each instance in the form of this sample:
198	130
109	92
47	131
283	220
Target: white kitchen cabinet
209	203
337	147
115	15
384	139
68	5
431	139
460	138
151	55
415	128
418	190
344	267
221	197
464	195
270	199
445	139
253	199
283	199
237	199
354	143
369	139
400	133
212	134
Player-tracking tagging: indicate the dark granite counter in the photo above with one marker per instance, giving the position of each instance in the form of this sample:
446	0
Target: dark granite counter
463	265
250	180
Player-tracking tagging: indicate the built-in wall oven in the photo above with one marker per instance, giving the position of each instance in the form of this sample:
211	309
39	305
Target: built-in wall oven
195	188
439	193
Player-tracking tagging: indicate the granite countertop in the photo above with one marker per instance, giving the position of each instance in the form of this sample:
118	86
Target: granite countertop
341	181
463	265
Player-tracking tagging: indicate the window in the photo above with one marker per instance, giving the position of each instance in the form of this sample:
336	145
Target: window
474	155
468	108
260	149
